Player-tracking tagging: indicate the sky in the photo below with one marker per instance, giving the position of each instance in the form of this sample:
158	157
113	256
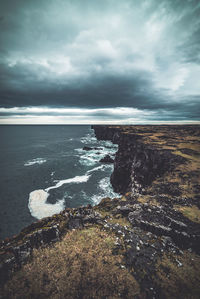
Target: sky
99	61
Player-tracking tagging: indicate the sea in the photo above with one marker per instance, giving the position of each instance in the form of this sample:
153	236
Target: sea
44	169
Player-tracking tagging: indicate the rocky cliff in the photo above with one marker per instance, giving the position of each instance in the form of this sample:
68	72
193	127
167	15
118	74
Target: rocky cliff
137	163
145	244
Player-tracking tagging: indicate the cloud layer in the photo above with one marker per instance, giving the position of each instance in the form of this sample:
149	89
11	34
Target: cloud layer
100	59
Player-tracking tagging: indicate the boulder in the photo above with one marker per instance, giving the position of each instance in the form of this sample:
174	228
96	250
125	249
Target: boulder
107	159
87	148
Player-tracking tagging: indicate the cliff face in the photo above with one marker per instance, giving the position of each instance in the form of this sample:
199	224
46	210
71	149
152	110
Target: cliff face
136	164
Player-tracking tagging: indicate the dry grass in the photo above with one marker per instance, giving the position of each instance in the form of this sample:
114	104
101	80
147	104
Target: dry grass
80	266
190	157
148	199
179	276
119	219
193	213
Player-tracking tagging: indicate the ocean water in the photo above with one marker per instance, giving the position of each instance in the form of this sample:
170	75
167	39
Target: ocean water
45	169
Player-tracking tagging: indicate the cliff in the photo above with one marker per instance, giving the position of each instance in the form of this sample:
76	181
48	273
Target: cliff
148	152
142	245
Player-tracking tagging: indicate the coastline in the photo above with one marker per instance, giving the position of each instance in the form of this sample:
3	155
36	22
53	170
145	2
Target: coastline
157	170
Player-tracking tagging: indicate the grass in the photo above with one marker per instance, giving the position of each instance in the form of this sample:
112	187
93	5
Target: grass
190	157
105	208
119	219
148	199
80	266
179	276
193	213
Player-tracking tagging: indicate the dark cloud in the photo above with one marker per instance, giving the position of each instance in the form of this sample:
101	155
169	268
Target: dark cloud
101	54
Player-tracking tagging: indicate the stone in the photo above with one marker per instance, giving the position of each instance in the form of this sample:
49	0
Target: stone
107	159
75	223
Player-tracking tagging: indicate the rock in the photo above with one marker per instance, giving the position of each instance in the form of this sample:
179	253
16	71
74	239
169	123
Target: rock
75	223
22	252
107	159
124	210
87	148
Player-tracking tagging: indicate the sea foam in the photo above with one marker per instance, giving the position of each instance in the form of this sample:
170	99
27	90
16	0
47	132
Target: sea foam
35	161
91	157
76	180
105	190
38	205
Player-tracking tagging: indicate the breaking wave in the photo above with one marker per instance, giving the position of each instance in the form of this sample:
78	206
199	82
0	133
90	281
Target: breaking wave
91	157
35	161
105	190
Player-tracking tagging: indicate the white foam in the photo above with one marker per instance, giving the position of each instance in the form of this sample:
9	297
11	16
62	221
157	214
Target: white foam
38	206
88	139
109	144
91	157
76	180
35	161
105	190
87	160
96	168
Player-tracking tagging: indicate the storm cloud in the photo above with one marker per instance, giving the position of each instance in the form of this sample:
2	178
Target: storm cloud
85	61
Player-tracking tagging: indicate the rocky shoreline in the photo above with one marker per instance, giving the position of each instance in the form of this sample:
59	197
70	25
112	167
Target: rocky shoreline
156	221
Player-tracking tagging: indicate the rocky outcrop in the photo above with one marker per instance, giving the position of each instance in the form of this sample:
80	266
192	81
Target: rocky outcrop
107	159
88	148
164	221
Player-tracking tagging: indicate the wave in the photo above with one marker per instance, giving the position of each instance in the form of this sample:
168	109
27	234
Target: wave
105	190
96	168
90	158
35	161
89	138
76	180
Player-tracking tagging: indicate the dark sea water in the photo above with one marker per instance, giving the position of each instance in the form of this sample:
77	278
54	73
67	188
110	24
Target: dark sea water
45	169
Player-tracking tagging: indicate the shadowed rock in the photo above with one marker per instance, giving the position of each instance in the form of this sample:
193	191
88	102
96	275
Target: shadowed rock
107	159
